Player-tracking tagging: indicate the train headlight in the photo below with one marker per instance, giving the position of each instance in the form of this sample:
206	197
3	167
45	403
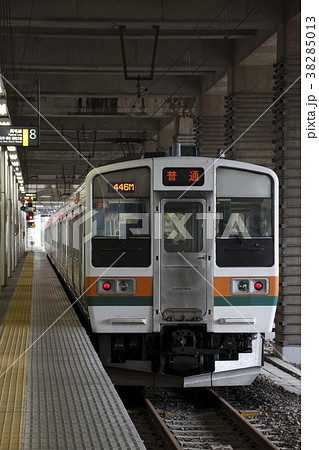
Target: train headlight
123	286
258	286
106	286
243	285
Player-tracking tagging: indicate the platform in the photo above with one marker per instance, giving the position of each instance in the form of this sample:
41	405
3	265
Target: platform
55	393
275	371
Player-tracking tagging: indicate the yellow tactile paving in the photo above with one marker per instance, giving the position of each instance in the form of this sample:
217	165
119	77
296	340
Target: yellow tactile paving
14	340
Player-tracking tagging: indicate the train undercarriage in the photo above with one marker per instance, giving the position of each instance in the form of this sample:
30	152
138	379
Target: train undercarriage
177	352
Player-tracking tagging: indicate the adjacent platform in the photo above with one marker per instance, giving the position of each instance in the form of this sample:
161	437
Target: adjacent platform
275	369
55	393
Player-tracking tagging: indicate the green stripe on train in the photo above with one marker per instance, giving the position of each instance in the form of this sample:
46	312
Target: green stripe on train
110	300
249	300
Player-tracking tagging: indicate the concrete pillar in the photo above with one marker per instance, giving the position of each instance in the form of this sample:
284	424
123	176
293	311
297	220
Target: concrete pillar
15	223
184	131
0	221
4	217
21	232
165	136
250	93
210	122
288	168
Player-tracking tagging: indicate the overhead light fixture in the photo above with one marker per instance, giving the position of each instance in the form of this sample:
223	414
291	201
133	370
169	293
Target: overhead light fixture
2	89
11	148
3	108
15	163
5	122
13	156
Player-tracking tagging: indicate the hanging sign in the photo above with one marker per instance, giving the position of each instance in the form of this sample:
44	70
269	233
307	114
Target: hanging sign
19	136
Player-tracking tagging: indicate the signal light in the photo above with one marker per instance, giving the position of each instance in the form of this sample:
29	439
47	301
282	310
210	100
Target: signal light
258	286
30	217
106	286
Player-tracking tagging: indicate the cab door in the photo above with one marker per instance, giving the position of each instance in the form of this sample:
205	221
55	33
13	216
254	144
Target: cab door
183	260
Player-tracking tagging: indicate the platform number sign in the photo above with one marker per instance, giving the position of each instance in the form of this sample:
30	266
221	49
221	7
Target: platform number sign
30	137
19	136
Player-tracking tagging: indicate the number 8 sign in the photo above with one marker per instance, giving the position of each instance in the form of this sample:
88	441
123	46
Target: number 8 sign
30	137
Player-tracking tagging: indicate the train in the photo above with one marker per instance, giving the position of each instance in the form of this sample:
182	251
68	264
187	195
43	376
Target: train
173	261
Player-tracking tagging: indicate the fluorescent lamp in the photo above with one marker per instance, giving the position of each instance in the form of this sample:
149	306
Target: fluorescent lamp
3	108
5	122
2	89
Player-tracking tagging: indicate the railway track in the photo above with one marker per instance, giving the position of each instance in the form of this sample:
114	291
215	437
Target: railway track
209	422
197	420
261	416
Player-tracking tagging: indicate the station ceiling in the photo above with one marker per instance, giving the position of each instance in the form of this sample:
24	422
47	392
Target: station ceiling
108	75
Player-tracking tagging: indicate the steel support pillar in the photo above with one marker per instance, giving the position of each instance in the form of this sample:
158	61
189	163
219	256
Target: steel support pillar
250	93
10	217
4	217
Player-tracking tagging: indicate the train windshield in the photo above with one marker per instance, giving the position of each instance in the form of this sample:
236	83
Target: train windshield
121	218
244	225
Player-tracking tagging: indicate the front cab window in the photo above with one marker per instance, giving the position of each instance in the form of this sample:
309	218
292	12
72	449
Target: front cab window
244	226
121	219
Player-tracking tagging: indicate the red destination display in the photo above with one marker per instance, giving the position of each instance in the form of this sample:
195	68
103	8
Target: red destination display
183	176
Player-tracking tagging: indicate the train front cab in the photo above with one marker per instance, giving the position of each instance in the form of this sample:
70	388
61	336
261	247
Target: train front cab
217	268
205	237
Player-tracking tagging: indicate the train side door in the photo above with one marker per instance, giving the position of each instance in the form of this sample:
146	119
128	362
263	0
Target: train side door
183	259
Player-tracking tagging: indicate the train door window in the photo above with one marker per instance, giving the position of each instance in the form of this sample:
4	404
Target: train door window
121	219
244	225
183	227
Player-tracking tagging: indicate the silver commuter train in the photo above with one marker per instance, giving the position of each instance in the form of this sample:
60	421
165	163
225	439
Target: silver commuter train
174	262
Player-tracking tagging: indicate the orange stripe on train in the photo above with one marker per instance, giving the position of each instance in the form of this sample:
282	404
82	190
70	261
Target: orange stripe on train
144	285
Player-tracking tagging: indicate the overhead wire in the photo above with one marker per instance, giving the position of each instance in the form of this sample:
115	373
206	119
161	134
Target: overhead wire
201	64
166	71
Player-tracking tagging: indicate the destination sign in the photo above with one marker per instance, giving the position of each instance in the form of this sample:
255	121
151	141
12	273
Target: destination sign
122	186
19	136
183	176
